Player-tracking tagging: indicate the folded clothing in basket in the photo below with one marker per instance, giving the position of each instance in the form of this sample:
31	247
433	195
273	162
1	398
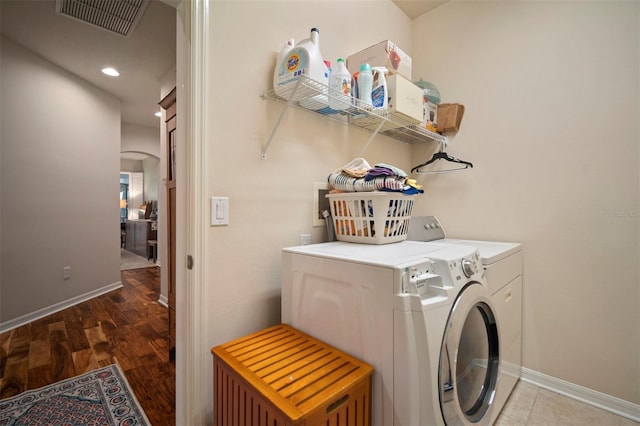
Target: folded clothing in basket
359	176
382	169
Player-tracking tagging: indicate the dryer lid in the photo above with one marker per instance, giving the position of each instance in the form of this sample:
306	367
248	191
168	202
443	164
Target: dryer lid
429	229
395	255
490	251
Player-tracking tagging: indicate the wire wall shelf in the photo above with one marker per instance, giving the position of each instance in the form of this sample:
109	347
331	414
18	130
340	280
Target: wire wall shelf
314	97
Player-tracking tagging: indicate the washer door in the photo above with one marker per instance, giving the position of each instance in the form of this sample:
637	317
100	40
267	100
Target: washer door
469	359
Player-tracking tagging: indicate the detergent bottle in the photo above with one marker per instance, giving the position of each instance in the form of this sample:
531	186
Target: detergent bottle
365	85
288	45
379	92
303	59
340	87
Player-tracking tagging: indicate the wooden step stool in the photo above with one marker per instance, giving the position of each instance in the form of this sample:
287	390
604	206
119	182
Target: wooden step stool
281	376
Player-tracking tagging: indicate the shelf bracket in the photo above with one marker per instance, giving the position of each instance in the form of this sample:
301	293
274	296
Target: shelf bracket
373	135
282	113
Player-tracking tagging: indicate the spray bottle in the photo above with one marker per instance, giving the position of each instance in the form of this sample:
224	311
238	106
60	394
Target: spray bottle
379	92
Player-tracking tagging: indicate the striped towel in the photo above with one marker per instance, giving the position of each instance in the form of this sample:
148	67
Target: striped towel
347	183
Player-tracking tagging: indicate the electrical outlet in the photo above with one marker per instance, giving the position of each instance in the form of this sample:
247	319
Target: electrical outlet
320	203
66	272
305	239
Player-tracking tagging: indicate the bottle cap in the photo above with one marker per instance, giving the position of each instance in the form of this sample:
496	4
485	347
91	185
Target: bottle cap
365	67
340	60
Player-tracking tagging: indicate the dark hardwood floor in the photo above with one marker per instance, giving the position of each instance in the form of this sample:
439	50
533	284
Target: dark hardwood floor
126	326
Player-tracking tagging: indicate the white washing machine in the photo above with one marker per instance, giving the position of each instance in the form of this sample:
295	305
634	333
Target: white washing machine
503	264
420	313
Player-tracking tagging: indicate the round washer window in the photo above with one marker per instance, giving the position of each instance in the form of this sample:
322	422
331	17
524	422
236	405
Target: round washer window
467	383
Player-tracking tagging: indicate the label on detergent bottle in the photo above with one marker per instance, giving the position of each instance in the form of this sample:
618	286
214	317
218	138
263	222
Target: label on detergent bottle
377	97
293	65
379	94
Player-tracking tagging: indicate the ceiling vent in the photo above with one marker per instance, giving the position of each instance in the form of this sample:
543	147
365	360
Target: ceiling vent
117	16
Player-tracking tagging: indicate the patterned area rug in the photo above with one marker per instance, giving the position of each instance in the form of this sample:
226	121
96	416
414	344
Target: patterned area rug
100	397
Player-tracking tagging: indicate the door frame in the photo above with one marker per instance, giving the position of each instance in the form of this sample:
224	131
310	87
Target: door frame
191	353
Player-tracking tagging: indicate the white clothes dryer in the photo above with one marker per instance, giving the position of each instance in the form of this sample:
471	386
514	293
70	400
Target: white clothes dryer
420	313
502	262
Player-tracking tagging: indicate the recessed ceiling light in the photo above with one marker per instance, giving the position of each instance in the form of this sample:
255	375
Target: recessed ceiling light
158	114
110	72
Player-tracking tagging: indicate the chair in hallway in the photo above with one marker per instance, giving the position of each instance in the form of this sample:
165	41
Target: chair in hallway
152	250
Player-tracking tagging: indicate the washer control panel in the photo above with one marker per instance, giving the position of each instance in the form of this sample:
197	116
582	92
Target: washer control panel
461	269
469	268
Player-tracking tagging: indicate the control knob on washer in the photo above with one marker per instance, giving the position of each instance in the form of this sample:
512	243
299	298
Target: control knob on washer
468	267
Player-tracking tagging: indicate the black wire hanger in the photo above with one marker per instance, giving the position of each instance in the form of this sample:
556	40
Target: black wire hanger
442	155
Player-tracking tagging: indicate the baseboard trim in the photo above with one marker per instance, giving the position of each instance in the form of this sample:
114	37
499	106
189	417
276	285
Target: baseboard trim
41	313
163	300
601	400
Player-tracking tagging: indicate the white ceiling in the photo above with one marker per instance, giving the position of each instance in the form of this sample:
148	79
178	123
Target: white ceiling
143	58
415	8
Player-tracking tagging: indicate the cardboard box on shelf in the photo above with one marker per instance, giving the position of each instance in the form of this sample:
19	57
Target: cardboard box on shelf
383	54
405	106
449	117
405	99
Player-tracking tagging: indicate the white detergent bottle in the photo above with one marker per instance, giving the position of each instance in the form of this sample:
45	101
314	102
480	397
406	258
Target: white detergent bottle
379	92
288	45
305	58
340	87
365	85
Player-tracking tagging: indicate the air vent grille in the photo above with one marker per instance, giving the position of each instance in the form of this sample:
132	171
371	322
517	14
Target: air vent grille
118	16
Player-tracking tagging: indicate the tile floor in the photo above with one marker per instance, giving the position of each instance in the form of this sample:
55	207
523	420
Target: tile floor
129	260
529	405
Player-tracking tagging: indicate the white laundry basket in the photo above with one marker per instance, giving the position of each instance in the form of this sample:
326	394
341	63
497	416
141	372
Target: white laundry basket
371	217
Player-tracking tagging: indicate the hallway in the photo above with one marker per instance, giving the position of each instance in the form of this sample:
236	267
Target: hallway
126	326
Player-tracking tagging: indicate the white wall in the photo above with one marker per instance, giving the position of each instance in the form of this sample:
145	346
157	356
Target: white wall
551	124
271	200
130	165
58	209
168	81
143	139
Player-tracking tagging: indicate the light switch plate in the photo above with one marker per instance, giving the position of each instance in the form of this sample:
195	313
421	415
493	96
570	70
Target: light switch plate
219	211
